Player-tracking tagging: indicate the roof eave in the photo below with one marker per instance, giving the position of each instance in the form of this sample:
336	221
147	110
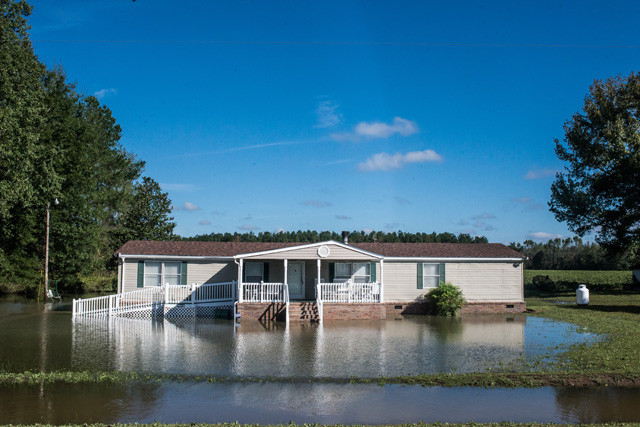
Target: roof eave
309	245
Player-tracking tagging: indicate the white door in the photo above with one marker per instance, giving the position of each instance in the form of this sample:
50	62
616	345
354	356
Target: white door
295	280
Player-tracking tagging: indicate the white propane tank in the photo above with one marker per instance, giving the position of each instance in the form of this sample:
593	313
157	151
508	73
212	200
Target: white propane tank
582	295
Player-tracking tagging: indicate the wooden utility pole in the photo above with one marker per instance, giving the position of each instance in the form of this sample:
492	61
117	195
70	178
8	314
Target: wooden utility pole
46	258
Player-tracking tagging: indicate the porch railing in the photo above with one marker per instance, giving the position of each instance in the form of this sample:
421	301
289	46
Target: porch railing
263	292
348	292
143	299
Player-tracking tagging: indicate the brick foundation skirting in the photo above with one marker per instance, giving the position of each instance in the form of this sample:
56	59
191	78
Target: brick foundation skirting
354	311
276	311
262	311
484	307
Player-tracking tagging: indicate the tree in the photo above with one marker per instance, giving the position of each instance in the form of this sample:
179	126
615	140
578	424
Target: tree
600	190
27	178
146	215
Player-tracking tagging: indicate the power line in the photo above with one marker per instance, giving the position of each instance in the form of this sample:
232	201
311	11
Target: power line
328	43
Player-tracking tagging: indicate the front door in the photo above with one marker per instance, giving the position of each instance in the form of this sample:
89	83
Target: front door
295	280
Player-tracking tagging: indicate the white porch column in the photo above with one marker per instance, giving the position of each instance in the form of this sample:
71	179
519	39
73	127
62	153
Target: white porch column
318	263
240	293
381	280
286	282
121	287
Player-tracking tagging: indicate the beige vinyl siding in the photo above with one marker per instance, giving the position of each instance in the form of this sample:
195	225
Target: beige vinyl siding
478	281
130	267
197	272
487	281
336	253
200	272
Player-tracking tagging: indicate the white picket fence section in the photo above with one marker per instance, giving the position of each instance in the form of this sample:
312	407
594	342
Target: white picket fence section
157	298
348	292
263	292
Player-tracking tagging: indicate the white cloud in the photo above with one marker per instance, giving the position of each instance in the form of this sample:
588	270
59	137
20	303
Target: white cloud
174	208
371	130
385	161
316	203
279	230
248	227
204	222
327	115
541	236
523	200
104	92
367	230
188	206
400	126
540	173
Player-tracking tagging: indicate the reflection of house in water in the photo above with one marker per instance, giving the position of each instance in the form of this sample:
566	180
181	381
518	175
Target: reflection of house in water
338	349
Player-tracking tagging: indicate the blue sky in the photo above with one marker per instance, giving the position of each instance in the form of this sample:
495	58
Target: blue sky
345	115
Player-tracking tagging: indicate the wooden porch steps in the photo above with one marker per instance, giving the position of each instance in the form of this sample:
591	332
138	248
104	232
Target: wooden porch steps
303	311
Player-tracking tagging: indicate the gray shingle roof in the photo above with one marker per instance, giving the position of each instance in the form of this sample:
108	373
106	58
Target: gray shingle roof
409	250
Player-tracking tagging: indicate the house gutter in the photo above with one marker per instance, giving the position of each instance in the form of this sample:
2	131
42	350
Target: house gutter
452	259
176	257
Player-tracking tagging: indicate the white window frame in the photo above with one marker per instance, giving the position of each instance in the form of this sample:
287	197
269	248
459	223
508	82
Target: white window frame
366	278
426	276
246	271
163	274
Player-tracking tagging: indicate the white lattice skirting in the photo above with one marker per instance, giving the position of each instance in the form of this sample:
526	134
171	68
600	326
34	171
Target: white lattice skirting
174	311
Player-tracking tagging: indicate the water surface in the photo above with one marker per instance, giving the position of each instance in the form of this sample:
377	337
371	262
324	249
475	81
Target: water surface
44	337
271	403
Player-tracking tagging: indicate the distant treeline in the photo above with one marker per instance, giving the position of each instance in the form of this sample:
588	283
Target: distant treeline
557	254
570	254
354	237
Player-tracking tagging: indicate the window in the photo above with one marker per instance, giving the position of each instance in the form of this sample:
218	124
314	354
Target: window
253	272
431	275
157	273
358	272
361	272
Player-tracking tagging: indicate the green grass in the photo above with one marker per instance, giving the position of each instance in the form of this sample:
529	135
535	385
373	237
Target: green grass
616	315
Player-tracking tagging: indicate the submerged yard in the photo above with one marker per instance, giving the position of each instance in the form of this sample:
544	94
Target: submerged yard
559	356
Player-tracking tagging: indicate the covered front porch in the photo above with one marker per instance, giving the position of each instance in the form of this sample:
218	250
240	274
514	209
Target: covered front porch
319	274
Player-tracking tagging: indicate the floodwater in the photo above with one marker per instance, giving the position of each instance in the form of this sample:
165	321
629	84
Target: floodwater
45	338
330	403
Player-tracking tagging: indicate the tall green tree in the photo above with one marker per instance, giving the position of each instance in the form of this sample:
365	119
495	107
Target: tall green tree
145	214
57	143
600	190
27	176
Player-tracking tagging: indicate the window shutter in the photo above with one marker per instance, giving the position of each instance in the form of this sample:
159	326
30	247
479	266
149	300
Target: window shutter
420	284
332	271
141	274
265	272
442	276
373	272
183	274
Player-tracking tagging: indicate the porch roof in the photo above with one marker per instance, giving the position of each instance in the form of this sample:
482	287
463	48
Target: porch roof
386	250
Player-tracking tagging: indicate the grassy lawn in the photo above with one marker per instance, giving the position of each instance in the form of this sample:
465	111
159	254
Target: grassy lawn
616	315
